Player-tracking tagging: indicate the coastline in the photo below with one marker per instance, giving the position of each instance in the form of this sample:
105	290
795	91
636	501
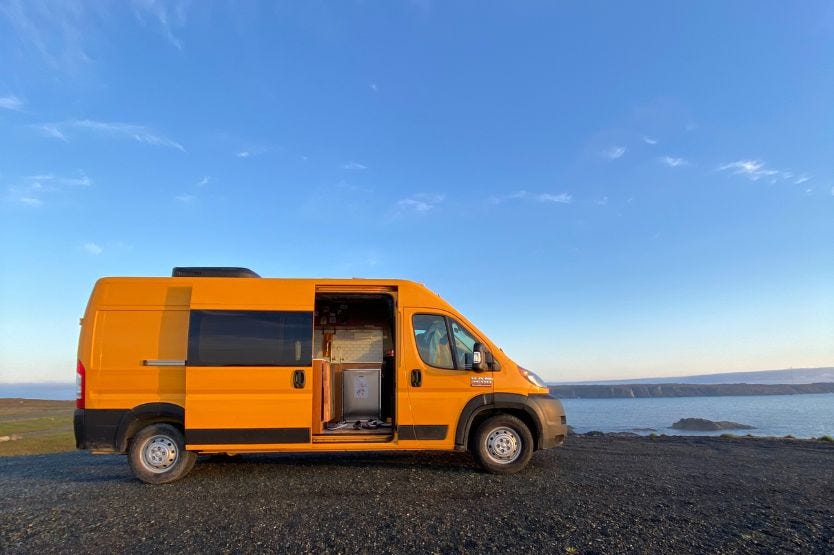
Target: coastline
635	391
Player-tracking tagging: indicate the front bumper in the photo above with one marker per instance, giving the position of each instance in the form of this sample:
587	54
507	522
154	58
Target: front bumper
554	428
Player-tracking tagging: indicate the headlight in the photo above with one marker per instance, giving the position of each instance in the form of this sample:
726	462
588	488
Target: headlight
532	377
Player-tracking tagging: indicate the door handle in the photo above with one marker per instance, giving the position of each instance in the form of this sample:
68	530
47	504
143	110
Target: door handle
298	379
416	378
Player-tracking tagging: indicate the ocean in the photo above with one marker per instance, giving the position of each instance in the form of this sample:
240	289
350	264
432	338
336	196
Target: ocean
52	391
802	416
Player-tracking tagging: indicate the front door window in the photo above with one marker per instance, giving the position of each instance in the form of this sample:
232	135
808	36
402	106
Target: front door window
433	340
464	346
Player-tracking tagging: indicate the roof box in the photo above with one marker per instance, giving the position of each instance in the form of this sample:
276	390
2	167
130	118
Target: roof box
211	271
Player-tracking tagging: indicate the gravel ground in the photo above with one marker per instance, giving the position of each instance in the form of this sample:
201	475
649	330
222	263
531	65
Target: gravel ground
601	494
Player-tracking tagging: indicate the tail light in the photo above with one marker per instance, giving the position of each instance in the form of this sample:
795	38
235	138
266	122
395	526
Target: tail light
80	386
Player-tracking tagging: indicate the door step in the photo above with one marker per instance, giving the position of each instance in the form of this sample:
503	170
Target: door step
353	438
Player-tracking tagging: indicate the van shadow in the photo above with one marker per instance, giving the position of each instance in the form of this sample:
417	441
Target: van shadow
77	467
453	462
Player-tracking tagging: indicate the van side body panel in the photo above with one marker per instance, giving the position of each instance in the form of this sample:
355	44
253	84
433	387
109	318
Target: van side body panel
131	323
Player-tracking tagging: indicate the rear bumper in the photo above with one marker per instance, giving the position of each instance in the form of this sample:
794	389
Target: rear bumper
552	418
96	429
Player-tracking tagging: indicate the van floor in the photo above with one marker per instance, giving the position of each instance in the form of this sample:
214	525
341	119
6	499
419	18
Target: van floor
350	430
354	431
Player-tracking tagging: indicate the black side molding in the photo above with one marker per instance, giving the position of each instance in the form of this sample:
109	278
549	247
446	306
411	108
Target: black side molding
422	431
241	436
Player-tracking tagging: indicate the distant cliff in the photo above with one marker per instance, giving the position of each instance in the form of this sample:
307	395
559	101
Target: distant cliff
684	390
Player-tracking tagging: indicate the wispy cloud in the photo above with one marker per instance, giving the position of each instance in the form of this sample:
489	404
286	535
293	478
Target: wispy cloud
419	203
52	132
373	86
752	169
560	198
601	201
673	162
139	133
92	248
50	181
163	15
33	190
188	198
354	166
82	181
54	32
30	201
614	152
755	170
649	140
251	151
11	102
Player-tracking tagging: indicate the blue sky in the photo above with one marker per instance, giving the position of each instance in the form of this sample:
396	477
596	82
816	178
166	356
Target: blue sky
607	190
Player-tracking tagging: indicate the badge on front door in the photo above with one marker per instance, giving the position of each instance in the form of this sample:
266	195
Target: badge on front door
480	381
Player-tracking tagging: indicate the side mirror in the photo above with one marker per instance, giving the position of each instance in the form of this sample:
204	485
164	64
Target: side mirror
480	357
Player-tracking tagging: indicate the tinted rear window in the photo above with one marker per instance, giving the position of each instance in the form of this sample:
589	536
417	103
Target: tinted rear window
250	338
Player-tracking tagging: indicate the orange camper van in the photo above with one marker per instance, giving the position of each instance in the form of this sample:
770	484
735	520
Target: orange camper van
220	360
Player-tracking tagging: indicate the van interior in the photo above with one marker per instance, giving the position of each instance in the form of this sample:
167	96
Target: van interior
354	367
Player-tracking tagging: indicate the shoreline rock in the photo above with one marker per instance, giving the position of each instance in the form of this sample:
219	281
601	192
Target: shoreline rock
704	425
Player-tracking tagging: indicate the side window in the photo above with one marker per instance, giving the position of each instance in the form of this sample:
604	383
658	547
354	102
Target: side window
464	345
433	340
250	338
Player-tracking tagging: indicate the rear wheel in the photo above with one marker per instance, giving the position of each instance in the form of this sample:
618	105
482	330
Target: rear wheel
503	444
157	454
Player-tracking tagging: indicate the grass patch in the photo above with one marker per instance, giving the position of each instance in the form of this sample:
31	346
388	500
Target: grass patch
33	427
729	436
826	438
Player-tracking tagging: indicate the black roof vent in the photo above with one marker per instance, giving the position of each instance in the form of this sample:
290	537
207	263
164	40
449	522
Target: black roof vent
210	271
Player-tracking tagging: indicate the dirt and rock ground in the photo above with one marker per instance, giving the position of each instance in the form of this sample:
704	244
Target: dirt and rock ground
597	494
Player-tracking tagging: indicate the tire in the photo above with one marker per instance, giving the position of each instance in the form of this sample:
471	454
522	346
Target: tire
503	444
157	454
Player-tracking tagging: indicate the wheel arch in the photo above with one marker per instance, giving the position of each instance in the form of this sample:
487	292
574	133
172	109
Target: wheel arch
149	413
481	407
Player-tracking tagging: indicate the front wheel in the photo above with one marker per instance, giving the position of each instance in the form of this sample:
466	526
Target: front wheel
503	444
157	454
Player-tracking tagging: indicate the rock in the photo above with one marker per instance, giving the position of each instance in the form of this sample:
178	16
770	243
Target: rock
704	425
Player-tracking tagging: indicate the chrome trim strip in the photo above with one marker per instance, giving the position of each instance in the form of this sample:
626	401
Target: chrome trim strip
163	362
